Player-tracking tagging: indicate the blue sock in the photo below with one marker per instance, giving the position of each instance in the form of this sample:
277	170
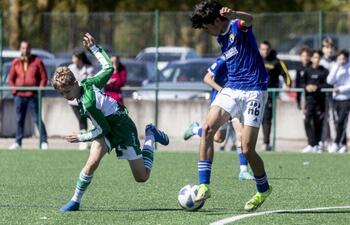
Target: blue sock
199	133
262	185
204	171
242	160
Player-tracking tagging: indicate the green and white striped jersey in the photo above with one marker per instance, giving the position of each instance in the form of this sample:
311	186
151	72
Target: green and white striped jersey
95	104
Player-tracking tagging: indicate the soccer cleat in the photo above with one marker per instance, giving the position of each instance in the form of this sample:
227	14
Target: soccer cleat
159	136
257	200
245	175
203	193
189	132
70	206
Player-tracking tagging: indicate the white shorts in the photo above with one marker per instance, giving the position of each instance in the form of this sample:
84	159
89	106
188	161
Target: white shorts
248	105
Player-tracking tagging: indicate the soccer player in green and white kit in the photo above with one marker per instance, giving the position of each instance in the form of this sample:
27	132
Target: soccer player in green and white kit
113	127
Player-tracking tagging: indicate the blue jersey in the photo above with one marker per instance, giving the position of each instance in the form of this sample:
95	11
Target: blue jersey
245	66
219	71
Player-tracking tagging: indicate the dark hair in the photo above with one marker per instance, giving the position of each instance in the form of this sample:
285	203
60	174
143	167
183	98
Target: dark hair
120	66
80	54
328	41
206	12
343	52
25	41
266	43
319	52
305	49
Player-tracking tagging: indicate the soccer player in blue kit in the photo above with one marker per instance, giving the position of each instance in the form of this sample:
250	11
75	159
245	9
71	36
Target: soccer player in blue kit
244	94
216	78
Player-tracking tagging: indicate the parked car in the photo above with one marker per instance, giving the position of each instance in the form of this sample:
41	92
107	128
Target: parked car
166	55
184	76
292	62
8	55
294	44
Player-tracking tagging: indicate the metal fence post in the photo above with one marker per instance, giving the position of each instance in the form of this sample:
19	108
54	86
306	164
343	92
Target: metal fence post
1	45
320	27
274	120
156	40
39	115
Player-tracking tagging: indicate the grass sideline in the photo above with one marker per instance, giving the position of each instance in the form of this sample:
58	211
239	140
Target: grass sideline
35	184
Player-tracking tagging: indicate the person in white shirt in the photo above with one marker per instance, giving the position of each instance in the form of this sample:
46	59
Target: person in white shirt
339	77
328	129
82	69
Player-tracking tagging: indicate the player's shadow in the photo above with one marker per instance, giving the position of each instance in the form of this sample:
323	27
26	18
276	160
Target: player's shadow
284	178
214	210
29	206
128	210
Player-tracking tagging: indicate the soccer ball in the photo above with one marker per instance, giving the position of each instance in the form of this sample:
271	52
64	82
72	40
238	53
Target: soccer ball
186	198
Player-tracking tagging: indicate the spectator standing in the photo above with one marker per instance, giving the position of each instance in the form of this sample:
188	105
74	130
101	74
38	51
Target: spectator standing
305	57
117	80
315	79
275	69
81	68
27	70
328	129
339	76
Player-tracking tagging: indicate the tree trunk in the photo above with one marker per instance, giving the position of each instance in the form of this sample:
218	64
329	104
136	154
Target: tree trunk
15	24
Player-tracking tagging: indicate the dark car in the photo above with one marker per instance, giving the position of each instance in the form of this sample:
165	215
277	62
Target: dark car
184	80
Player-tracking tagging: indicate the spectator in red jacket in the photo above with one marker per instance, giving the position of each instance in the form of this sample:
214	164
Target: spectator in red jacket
117	80
27	70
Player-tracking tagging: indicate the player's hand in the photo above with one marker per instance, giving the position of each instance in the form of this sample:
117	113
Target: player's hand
88	40
72	138
311	88
227	12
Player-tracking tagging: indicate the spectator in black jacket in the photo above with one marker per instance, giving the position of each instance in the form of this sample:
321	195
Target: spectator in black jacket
275	69
315	78
305	59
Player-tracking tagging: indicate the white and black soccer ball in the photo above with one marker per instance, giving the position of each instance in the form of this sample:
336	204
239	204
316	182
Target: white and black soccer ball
186	197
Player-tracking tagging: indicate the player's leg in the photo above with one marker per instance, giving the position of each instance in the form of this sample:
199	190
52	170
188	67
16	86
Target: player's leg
216	117
220	135
141	162
266	123
252	114
243	163
97	151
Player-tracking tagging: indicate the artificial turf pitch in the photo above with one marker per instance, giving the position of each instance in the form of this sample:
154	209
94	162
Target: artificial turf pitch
35	184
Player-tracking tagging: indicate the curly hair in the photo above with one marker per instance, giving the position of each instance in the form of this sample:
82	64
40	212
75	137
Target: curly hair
206	12
62	77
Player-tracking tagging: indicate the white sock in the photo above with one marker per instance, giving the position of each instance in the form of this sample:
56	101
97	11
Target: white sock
243	168
195	130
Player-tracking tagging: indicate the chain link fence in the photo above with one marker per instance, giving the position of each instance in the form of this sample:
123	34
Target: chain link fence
128	33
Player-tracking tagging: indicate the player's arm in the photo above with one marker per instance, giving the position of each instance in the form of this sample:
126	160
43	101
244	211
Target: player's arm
102	77
209	79
246	19
101	126
285	74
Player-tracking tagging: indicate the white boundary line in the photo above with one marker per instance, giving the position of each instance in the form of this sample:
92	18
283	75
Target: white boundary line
243	216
